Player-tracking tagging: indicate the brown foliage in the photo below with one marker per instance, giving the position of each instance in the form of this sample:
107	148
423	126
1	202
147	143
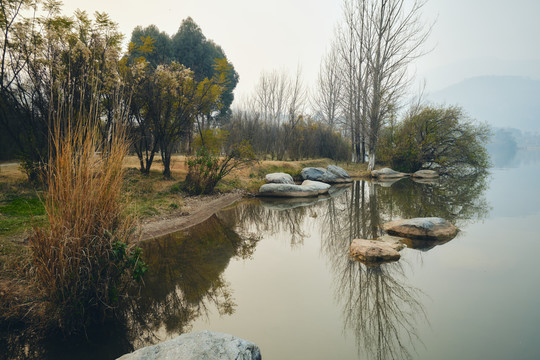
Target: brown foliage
81	261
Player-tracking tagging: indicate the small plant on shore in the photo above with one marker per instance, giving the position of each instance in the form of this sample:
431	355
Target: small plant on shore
206	169
83	262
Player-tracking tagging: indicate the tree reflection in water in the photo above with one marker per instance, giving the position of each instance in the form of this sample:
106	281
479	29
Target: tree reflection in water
185	278
186	269
380	308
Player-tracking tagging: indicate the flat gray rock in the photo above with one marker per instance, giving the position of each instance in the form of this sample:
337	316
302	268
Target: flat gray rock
430	228
321	187
387	173
287	190
202	345
279	178
374	251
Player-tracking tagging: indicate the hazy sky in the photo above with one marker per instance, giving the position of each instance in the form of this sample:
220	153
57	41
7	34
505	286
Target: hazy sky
261	35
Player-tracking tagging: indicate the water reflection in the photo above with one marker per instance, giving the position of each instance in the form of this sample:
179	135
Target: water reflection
380	309
185	279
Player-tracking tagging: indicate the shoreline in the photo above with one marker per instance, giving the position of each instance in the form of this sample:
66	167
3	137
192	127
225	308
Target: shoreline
203	208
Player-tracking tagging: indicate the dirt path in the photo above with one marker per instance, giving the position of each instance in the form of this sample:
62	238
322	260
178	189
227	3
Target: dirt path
199	208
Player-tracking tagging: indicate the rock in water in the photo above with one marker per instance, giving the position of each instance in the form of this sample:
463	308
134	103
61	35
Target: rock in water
387	173
374	251
432	228
279	178
321	187
396	242
287	190
197	346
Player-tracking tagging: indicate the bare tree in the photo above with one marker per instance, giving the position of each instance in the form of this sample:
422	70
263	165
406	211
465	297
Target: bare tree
281	100
327	98
352	48
377	42
271	95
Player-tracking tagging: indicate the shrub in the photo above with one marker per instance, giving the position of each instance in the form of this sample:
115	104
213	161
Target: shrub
440	138
206	169
83	262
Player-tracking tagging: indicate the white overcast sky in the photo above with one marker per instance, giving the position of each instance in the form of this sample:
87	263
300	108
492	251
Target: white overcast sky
262	35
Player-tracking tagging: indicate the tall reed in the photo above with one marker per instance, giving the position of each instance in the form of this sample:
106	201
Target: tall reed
82	261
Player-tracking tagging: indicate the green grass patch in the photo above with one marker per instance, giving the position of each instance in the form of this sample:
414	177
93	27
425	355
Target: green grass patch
19	213
151	195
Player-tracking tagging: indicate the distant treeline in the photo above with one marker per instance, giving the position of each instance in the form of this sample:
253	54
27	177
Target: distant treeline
304	139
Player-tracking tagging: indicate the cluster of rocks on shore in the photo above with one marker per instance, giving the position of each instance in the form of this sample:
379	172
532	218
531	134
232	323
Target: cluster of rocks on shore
389	174
316	181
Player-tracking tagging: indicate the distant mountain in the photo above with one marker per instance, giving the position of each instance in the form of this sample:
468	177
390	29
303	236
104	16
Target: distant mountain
450	74
501	101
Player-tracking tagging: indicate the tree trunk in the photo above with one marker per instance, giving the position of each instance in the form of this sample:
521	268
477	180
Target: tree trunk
371	162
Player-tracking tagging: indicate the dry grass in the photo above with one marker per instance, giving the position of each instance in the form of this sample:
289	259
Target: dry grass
80	261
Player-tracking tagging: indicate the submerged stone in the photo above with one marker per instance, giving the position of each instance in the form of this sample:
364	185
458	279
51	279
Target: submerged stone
431	228
199	345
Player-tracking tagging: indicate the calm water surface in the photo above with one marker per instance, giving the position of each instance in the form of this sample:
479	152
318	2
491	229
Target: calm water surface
279	274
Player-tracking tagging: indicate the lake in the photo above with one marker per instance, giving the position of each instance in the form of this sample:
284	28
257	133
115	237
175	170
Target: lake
278	273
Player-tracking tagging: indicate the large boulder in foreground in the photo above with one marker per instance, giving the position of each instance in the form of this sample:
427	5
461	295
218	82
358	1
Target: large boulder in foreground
387	173
431	228
374	251
332	174
279	178
199	345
